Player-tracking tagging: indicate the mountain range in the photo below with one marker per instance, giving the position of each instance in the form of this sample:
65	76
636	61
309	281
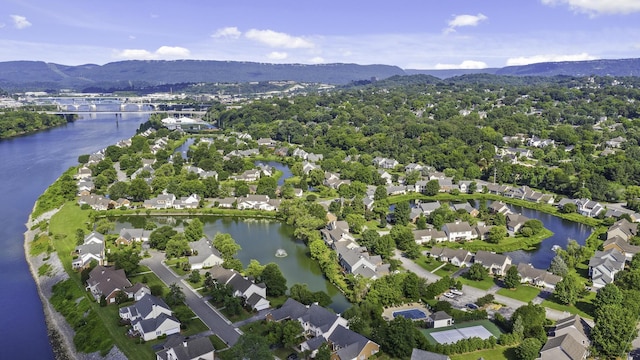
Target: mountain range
39	75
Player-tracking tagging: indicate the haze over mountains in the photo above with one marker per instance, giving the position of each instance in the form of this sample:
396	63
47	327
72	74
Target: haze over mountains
39	75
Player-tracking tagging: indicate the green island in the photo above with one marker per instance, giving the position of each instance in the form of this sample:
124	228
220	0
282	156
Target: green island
22	122
359	160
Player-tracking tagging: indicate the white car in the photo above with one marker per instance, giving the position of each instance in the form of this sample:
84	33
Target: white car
456	292
449	295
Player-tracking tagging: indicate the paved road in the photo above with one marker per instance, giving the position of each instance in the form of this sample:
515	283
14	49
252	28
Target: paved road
218	324
471	293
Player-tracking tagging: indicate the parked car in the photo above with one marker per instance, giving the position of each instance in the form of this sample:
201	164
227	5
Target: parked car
456	292
473	306
449	295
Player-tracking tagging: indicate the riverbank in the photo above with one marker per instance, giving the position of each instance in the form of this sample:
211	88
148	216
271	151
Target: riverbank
60	333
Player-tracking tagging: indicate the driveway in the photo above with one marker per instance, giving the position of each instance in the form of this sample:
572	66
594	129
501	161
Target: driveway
471	294
218	324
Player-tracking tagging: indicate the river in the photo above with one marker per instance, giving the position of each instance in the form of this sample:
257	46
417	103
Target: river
29	165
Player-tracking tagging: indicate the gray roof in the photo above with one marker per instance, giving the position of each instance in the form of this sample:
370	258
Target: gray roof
350	342
291	309
418	354
186	349
150	325
145	305
488	258
569	347
107	279
440	315
204	249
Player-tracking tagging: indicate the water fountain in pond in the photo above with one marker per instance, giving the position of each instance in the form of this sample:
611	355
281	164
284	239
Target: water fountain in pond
281	253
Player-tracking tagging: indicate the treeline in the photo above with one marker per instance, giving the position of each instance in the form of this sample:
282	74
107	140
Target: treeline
461	127
13	123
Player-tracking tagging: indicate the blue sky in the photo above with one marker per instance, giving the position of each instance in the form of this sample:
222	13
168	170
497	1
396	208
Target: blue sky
412	34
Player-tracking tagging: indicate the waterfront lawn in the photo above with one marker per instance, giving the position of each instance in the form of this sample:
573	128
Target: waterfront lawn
428	263
63	226
499	353
485	284
523	293
507	244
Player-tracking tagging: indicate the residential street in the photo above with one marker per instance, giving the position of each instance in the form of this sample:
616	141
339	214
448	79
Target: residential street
218	324
471	293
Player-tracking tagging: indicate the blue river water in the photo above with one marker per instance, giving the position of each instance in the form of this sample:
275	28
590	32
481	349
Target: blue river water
29	165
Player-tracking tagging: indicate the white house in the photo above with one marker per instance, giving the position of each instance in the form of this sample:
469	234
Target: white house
439	319
459	230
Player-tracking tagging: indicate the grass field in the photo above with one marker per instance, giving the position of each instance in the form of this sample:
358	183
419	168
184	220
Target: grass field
583	306
523	292
499	353
485	284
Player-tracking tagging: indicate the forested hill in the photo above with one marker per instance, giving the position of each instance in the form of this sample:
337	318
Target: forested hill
38	75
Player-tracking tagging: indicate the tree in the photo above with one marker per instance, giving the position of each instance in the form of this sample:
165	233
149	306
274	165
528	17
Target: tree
254	269
356	222
251	346
159	237
534	321
401	213
267	185
127	260
195	277
421	223
177	246
380	194
512	278
477	272
610	294
615	327
496	234
226	245
103	226
80	236
194	230
568	289
528	349
139	190
291	332
118	190
558	266
432	188
175	296
274	280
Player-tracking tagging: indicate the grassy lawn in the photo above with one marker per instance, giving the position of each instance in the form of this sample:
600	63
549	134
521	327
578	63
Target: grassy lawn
63	226
499	353
485	284
493	328
428	263
523	292
583	306
511	243
447	270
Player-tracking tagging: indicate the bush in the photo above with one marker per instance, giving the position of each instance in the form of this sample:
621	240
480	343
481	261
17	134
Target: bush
485	300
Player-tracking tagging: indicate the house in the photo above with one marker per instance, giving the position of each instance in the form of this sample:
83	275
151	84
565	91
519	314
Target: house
439	319
457	257
604	265
107	282
150	318
388	179
418	354
498	207
96	202
257	202
127	236
253	294
227	203
459	230
537	277
413	167
589	208
466	207
347	344
497	264
429	207
482	231
178	347
321	325
162	201
204	255
307	167
427	235
91	249
83	173
189	202
515	222
622	228
616	142
568	341
385	163
357	260
268	142
247	176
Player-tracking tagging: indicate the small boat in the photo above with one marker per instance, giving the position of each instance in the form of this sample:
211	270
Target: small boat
555	248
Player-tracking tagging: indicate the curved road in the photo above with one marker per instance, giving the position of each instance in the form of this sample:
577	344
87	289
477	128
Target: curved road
472	292
218	324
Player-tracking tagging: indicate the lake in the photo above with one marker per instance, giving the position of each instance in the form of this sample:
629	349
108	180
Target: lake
260	239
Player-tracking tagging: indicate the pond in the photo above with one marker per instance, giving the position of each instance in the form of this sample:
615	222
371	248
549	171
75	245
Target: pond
286	172
563	231
261	239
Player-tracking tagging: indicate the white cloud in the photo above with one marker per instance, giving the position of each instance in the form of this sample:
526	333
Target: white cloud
172	51
227	32
278	39
595	7
467	64
20	22
524	60
163	52
464	20
317	60
277	55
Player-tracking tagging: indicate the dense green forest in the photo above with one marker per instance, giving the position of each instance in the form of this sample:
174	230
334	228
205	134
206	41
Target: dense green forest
13	123
461	125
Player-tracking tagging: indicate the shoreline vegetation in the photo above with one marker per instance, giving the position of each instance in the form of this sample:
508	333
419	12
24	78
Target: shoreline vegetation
19	122
52	200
